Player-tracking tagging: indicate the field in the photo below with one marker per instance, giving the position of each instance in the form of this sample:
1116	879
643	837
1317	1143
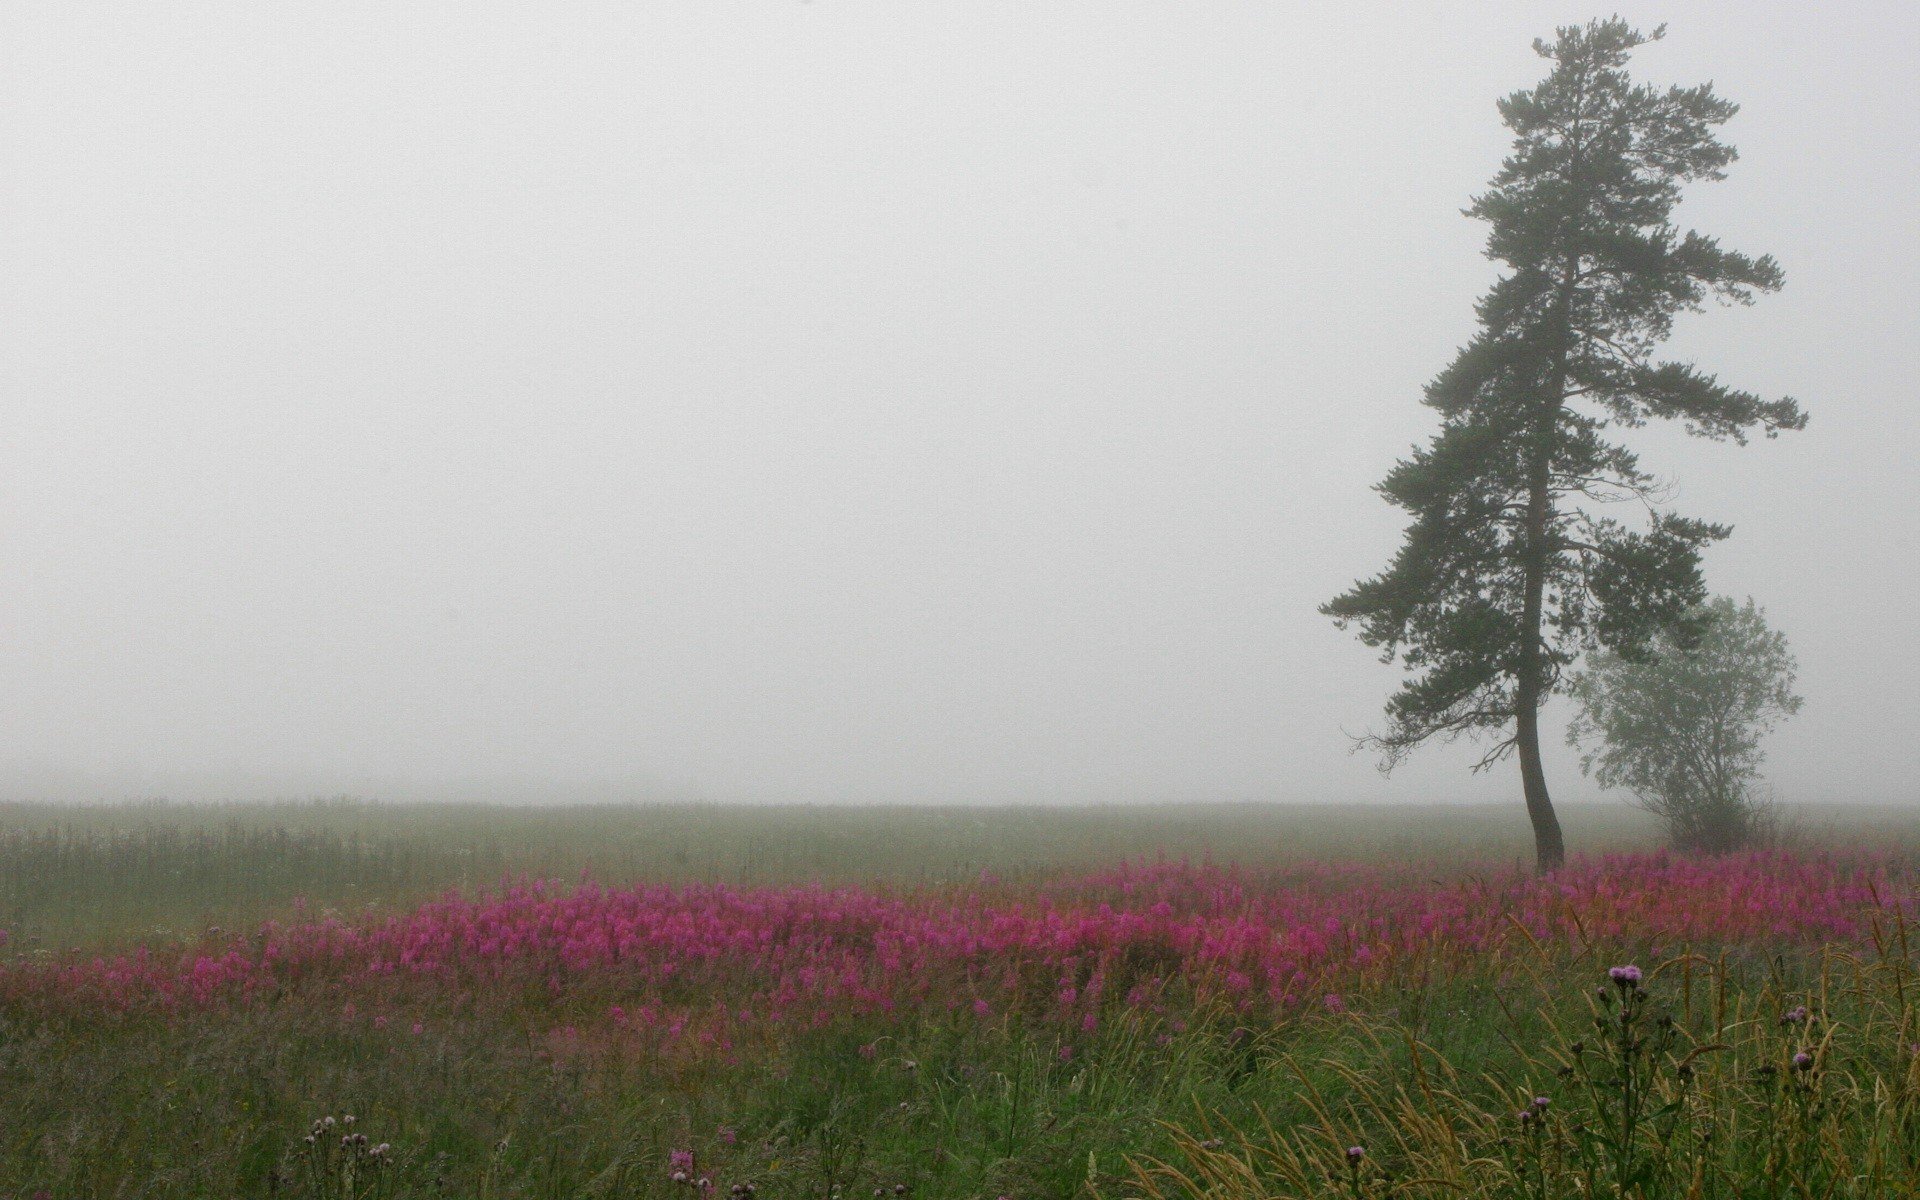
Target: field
344	999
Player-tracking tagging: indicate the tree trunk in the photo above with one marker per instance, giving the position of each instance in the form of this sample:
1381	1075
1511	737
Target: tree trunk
1548	848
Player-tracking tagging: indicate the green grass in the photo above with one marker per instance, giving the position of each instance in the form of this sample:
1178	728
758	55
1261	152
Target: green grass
100	874
215	1103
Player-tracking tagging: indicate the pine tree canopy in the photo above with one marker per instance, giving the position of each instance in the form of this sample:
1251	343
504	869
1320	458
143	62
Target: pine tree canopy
1510	567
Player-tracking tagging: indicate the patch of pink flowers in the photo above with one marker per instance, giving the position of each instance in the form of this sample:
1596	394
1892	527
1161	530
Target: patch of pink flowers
702	964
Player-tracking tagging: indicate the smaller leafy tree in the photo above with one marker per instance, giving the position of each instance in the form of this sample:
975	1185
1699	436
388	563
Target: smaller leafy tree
1680	723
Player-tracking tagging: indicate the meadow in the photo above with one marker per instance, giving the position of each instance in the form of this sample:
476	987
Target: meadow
348	999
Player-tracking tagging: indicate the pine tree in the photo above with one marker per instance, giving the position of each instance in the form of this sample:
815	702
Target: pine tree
1507	573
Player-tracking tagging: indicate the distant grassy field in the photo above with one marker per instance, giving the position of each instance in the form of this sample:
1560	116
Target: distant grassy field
87	874
938	1003
94	874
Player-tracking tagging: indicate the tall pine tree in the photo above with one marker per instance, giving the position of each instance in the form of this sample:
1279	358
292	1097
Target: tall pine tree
1507	572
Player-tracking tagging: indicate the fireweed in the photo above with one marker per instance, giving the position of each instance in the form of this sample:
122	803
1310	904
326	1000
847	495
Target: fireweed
704	965
796	1040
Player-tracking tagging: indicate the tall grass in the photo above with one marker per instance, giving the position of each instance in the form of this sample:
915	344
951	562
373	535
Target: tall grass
99	874
1689	1084
60	885
1155	1032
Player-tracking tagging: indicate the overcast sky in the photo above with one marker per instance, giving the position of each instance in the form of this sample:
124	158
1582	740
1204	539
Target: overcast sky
831	401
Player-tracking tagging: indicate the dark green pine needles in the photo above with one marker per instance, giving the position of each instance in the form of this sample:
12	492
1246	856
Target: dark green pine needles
1507	573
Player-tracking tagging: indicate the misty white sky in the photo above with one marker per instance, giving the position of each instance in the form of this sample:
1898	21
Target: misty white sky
831	401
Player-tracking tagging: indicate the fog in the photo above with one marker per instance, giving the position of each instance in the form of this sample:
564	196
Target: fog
851	402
